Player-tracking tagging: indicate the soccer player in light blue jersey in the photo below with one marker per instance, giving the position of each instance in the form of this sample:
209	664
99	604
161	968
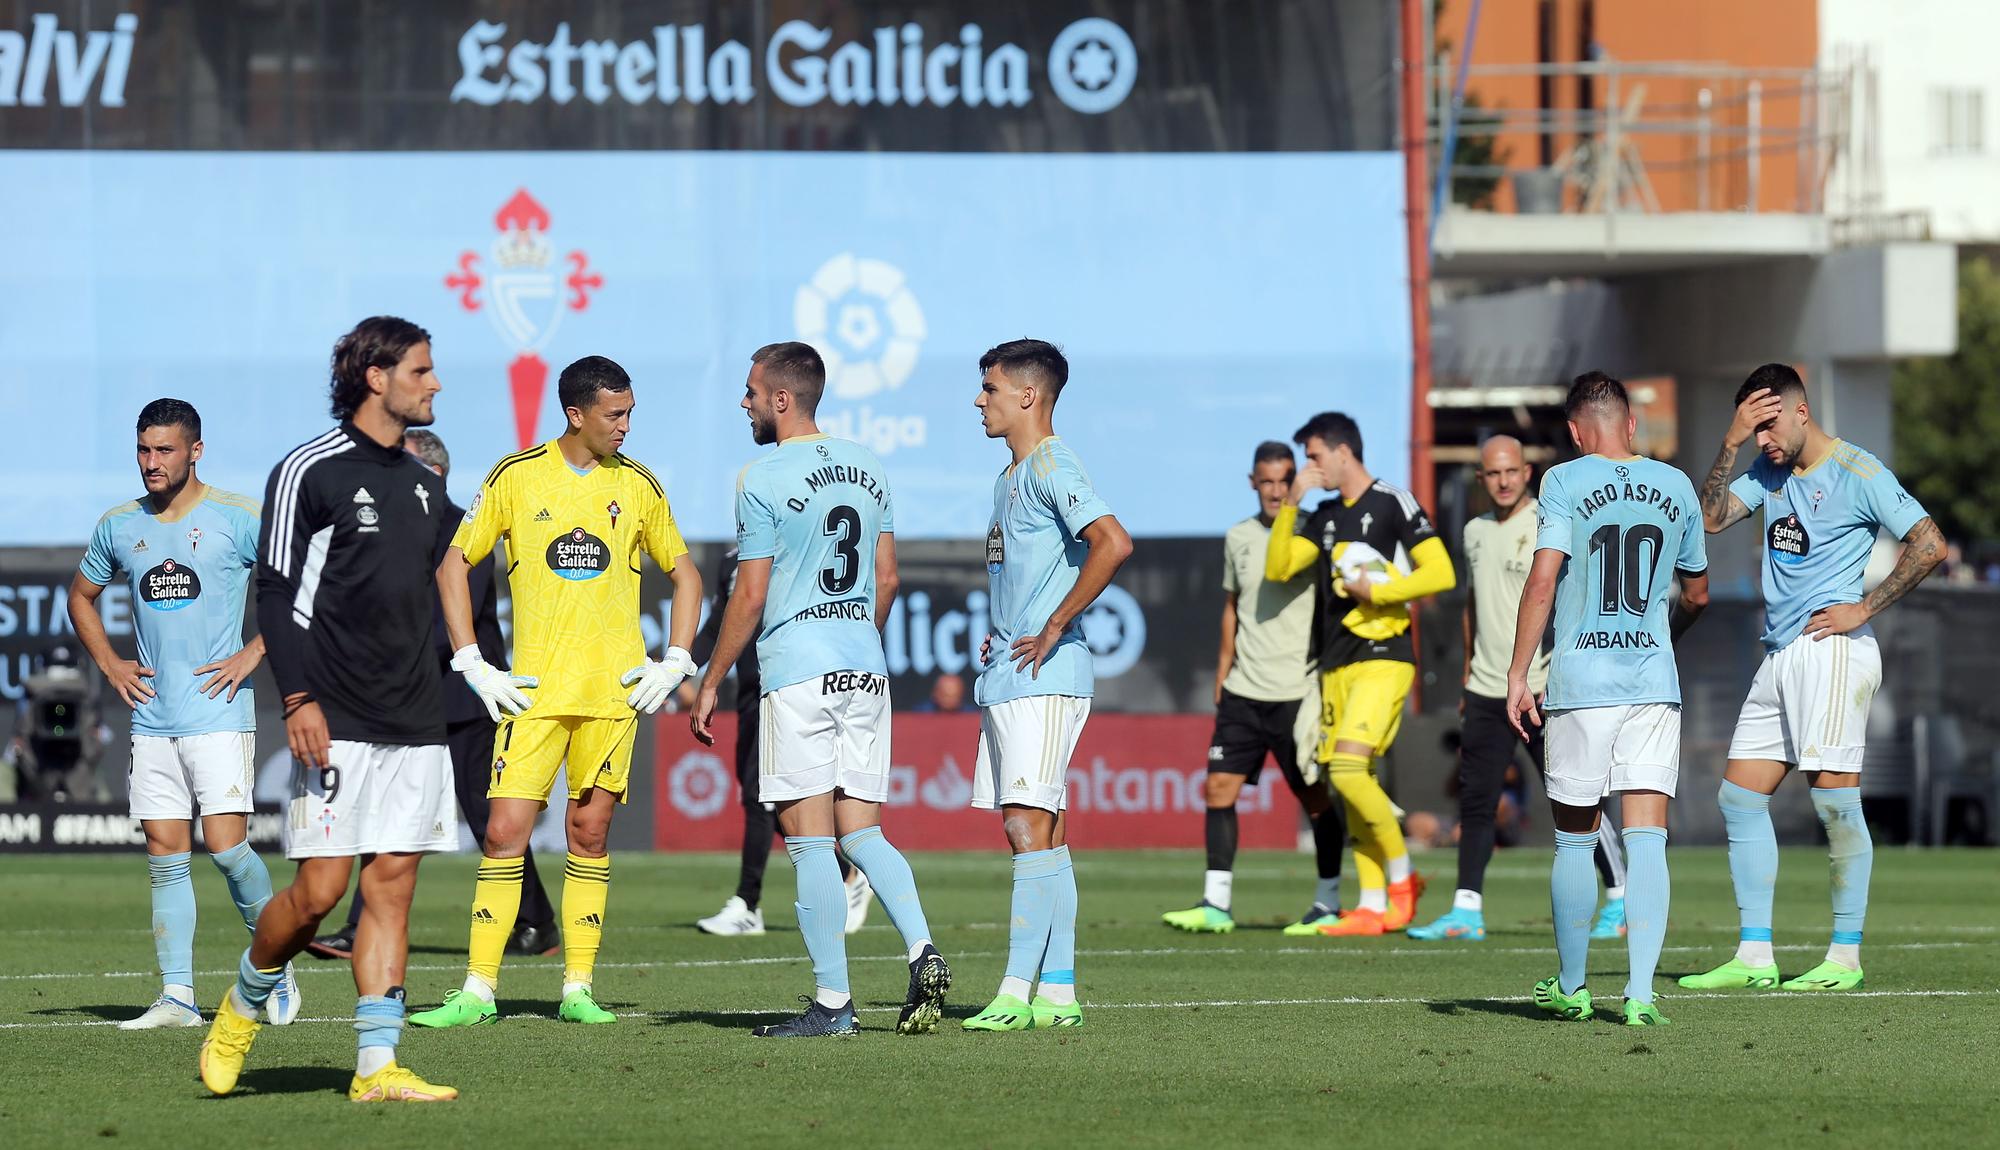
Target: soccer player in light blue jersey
1823	501
1615	530
815	576
186	550
1052	547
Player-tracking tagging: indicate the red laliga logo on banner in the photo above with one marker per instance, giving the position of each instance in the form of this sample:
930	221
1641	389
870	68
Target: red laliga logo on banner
529	291
1135	781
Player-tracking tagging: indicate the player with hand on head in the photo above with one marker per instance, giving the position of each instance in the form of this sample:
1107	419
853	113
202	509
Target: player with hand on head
576	515
1823	501
1374	552
344	602
1615	529
1499	546
1052	548
187	551
815	575
1266	703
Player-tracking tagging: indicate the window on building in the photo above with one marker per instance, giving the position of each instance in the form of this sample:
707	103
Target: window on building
1958	122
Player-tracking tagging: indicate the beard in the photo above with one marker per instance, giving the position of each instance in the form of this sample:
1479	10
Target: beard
763	433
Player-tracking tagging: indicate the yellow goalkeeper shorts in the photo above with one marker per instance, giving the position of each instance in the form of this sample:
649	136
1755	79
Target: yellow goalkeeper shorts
527	752
1363	703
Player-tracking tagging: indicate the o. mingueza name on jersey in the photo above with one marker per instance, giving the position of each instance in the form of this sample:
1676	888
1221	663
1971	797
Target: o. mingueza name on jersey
853	610
1594	501
841	682
841	473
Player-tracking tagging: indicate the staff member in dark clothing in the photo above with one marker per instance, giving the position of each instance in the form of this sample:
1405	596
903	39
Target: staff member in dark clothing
345	589
741	915
469	733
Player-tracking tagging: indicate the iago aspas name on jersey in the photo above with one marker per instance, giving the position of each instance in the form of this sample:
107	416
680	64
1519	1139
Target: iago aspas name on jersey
1591	502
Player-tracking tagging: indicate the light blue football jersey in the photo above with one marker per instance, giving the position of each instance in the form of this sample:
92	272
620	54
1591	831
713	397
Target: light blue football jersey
1034	549
1624	525
189	580
1818	530
814	507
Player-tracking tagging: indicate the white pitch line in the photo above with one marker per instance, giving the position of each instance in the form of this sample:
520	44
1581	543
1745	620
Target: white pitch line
1441	950
1216	1004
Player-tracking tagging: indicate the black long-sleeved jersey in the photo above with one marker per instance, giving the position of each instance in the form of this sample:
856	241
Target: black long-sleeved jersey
346	585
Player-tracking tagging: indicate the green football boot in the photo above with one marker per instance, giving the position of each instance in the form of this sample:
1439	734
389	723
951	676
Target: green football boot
1049	1016
1549	996
1643	1014
579	1006
1200	919
459	1009
1827	975
1004	1013
1733	975
1309	923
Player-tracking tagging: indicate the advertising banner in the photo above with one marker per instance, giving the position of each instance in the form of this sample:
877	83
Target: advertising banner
1133	782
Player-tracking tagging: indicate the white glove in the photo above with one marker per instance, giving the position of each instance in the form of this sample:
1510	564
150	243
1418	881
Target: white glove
657	680
500	691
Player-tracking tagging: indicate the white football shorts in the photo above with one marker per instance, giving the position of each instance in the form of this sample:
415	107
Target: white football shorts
1024	750
1596	751
1808	705
375	798
171	775
828	733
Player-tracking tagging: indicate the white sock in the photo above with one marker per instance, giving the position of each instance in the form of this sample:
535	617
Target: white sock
178	990
1847	954
1215	887
242	1007
372	1059
1398	868
1062	994
478	987
831	999
1754	953
570	988
1614	894
917	948
1327	893
1017	987
1468	900
1375	900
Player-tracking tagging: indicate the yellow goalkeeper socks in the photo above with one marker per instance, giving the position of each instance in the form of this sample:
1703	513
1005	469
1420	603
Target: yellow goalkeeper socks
1370	819
586	888
496	902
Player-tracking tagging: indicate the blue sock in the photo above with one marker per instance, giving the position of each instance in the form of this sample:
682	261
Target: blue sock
889	873
254	985
1573	901
1035	891
1851	858
1753	863
173	917
1059	962
379	1021
1647	892
249	882
822	909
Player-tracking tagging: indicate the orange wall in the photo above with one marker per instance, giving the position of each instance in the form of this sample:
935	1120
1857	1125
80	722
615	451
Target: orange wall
1736	33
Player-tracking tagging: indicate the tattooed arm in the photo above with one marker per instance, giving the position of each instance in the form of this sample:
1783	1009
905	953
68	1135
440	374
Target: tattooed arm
1720	507
1923	550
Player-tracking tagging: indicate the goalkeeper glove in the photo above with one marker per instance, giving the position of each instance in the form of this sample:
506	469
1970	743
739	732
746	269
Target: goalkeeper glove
500	691
656	680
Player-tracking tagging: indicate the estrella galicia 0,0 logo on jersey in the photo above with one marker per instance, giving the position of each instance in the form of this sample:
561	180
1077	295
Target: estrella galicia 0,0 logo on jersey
169	586
1788	541
577	554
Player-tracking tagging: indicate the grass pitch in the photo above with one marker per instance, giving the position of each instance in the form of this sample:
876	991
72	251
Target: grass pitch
1249	1038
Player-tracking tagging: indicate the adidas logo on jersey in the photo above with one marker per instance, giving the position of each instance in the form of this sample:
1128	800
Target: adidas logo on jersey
139	546
543	516
361	495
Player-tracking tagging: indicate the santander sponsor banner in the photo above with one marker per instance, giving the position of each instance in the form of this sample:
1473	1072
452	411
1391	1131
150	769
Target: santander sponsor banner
1135	781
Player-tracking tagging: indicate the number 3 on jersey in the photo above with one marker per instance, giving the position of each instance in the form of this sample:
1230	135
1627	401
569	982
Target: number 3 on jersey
843	525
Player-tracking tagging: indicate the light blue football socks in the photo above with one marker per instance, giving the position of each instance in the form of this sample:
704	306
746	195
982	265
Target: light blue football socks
1648	890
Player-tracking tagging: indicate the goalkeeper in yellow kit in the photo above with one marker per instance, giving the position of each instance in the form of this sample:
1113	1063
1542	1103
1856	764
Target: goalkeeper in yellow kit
1376	552
576	515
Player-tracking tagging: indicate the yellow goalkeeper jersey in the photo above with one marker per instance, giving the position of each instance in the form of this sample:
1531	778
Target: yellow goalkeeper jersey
573	544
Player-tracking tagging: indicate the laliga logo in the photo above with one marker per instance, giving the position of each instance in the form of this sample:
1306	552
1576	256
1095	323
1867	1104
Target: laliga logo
529	290
697	785
861	318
